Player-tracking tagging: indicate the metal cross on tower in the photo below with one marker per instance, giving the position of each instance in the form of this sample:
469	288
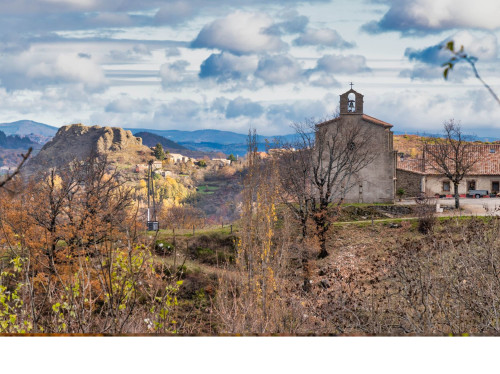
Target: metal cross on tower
352	84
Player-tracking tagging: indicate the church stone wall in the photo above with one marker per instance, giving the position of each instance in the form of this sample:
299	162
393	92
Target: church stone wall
376	182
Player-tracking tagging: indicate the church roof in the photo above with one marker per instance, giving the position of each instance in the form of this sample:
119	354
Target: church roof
487	156
376	121
365	117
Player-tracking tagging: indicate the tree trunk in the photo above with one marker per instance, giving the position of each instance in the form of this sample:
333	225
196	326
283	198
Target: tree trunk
322	228
457	196
304	227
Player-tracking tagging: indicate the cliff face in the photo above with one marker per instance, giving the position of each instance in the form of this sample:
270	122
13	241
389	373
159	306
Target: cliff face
76	142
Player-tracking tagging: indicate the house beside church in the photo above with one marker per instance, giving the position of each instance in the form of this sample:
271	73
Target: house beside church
376	182
416	175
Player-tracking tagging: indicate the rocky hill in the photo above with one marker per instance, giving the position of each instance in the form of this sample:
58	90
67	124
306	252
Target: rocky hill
76	142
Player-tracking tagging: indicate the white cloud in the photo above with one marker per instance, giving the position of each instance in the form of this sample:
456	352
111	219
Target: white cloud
322	37
240	33
127	104
431	15
175	12
34	69
173	73
226	66
279	69
342	64
428	61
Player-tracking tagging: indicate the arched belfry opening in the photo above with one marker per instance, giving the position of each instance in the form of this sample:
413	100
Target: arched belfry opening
351	102
351	105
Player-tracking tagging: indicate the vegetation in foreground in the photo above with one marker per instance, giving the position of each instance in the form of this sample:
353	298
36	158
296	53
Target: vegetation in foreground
74	259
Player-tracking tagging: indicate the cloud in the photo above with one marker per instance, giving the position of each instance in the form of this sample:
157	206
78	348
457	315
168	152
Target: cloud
293	23
427	72
484	47
35	70
337	64
240	33
172	52
280	69
126	104
178	112
325	80
243	107
297	111
226	66
474	108
173	73
176	12
429	60
135	53
323	38
428	16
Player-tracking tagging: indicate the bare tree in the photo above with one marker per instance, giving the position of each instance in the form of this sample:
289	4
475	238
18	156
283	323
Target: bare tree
328	156
295	170
452	155
16	171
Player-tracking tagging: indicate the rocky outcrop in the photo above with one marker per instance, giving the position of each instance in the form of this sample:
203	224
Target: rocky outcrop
76	142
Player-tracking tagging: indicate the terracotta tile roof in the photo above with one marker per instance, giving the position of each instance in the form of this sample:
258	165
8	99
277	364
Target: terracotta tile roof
376	121
415	165
365	117
488	156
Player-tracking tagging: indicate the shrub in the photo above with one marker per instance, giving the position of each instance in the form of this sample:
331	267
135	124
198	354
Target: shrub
163	247
425	213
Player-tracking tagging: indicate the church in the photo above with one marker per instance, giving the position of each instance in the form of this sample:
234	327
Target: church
375	182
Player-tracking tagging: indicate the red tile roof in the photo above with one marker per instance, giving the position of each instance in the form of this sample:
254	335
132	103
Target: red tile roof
365	117
376	121
488	162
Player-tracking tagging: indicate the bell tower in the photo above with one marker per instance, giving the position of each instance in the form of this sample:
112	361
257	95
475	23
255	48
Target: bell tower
351	102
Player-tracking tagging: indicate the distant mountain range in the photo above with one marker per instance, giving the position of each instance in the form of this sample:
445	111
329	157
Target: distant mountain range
208	140
151	140
25	127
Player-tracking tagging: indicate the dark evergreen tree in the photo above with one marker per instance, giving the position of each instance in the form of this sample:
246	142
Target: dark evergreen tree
159	152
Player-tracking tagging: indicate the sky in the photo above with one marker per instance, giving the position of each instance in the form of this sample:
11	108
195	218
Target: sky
239	64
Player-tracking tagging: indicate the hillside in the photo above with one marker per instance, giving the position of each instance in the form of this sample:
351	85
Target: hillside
79	141
151	140
410	145
15	141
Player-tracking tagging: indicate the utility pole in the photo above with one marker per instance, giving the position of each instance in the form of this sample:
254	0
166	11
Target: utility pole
152	222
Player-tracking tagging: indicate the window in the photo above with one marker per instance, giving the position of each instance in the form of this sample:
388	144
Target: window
446	186
471	185
495	187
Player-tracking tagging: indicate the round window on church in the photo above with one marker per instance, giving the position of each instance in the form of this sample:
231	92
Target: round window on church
351	146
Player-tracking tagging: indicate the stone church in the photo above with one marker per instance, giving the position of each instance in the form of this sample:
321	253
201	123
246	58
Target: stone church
375	182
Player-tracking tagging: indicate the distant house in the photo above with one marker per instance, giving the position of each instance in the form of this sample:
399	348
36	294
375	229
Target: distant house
157	165
222	161
139	168
417	175
177	157
167	173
